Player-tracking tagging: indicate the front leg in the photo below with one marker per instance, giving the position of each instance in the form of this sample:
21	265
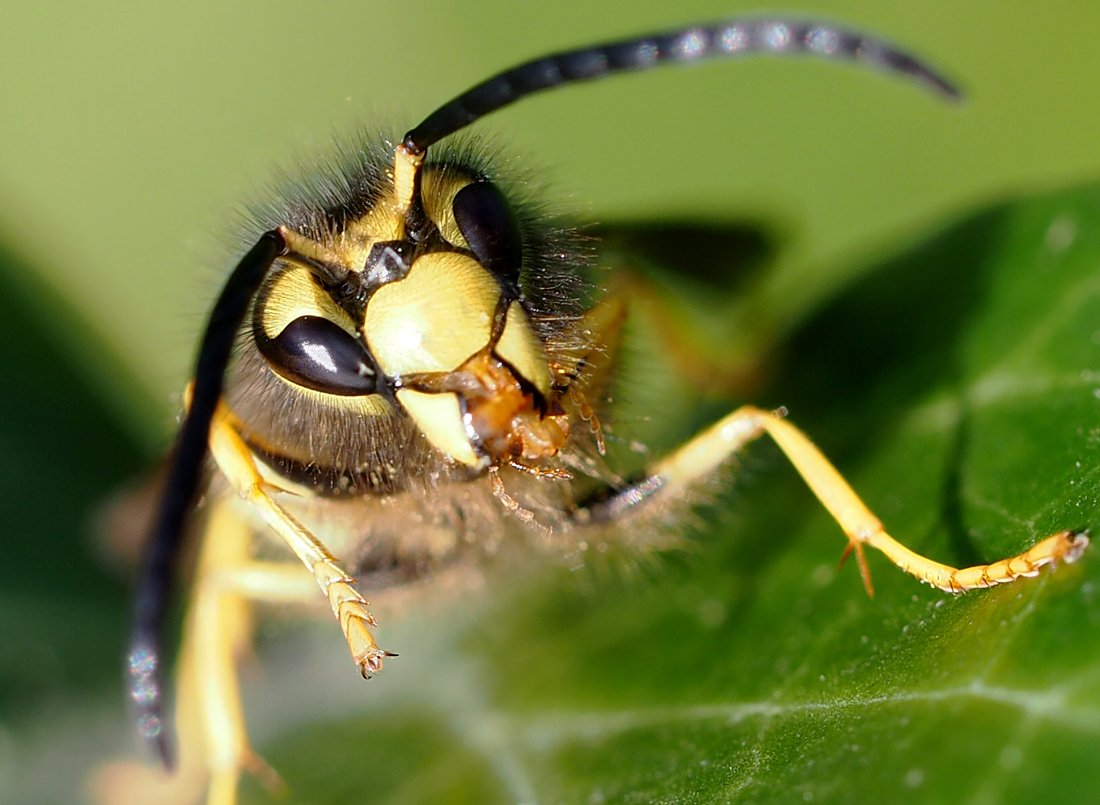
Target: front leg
701	455
351	609
214	747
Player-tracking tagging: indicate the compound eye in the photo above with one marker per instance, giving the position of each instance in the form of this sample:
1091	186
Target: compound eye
320	355
486	221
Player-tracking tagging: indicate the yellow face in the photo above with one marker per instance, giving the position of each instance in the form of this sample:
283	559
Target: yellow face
408	322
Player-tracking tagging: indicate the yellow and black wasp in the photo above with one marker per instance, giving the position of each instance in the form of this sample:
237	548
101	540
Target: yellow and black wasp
408	370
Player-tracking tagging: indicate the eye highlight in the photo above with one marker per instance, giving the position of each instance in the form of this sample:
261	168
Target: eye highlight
320	355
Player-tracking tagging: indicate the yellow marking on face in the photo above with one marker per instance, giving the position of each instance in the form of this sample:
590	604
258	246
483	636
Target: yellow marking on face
435	318
307	247
381	223
365	405
346	249
294	294
522	349
439	418
438	188
405	167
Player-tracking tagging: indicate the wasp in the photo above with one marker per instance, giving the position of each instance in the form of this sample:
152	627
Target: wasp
408	369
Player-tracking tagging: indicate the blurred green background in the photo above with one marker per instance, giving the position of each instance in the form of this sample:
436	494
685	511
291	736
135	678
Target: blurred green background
133	134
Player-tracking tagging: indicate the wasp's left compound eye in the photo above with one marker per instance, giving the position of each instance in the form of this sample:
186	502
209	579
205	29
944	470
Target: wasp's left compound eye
320	355
486	221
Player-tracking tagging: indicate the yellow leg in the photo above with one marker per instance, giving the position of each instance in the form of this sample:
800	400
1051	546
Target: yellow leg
352	611
213	740
729	435
217	630
218	633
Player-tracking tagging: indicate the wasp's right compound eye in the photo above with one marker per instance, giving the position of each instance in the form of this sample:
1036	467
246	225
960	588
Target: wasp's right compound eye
486	221
318	354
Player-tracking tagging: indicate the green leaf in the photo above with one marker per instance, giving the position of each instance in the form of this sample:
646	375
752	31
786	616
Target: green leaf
63	451
958	388
956	385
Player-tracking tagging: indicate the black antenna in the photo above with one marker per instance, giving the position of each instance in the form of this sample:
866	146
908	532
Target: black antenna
145	659
723	40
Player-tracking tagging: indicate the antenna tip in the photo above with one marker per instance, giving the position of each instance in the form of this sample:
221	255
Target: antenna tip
142	665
